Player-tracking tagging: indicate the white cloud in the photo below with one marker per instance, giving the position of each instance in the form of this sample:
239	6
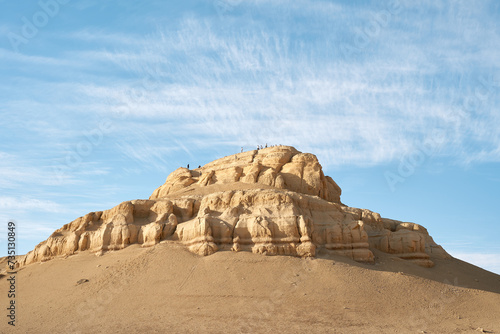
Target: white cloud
24	203
254	84
252	88
488	261
16	57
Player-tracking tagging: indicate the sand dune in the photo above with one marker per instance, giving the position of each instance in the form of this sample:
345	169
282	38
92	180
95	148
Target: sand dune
167	289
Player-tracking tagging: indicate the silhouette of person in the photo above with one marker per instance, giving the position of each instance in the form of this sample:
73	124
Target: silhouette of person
188	166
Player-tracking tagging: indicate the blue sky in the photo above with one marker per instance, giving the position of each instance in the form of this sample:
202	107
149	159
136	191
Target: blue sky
100	101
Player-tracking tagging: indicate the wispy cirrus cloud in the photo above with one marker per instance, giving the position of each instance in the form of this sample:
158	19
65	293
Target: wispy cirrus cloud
29	204
227	82
259	83
488	261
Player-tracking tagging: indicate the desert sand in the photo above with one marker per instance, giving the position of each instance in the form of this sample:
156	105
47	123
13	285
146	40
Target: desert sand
257	242
167	289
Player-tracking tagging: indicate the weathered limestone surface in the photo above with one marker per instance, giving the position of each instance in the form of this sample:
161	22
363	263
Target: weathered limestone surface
274	201
282	167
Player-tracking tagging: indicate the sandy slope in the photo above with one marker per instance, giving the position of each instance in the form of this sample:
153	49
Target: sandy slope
166	289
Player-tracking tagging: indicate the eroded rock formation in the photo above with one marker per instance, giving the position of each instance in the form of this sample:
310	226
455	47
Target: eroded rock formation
274	201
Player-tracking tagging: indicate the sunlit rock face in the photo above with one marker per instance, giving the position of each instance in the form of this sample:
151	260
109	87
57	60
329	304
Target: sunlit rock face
273	201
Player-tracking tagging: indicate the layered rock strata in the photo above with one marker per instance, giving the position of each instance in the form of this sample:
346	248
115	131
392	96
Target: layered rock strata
274	201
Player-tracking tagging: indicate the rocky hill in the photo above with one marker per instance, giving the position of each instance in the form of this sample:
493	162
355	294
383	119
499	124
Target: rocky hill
270	201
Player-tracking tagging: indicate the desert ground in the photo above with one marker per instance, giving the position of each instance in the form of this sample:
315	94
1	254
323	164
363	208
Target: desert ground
167	289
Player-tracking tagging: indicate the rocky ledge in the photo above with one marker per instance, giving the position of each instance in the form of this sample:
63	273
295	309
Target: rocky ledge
274	201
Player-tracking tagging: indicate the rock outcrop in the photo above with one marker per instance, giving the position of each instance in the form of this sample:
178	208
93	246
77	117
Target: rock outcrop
274	201
281	167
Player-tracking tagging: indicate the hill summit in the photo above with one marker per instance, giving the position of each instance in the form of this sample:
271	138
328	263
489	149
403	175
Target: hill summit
273	201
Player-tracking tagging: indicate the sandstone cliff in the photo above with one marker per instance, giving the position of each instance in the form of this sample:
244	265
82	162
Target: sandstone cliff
274	201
